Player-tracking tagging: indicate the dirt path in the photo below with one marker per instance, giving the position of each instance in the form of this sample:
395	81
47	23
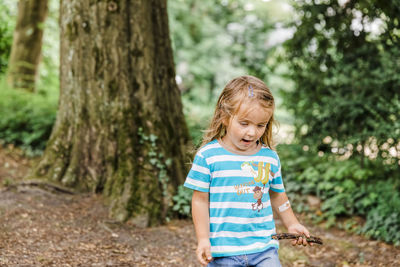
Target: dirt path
39	228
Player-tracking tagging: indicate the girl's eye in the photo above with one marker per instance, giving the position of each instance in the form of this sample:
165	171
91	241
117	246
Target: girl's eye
261	125
243	123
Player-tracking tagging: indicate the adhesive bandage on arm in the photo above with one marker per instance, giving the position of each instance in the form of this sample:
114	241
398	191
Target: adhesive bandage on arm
284	206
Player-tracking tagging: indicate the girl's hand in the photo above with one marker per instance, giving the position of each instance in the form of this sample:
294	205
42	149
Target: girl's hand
203	251
298	228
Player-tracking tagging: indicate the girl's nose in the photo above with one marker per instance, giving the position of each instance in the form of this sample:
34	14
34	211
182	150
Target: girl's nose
251	131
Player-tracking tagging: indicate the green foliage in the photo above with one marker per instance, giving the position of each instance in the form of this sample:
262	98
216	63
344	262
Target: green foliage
215	40
383	219
5	47
156	159
7	22
344	61
346	190
197	119
182	201
26	119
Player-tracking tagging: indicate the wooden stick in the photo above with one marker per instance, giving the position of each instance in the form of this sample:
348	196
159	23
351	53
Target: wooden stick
311	239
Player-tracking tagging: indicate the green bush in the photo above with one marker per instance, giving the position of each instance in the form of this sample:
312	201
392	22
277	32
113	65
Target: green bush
383	220
26	119
346	189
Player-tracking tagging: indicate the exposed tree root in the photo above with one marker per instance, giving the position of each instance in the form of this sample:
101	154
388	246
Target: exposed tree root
44	185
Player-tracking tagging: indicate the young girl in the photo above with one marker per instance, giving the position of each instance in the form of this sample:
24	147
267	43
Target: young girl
237	183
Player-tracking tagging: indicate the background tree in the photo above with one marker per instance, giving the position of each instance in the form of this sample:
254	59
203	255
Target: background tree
120	128
27	44
343	60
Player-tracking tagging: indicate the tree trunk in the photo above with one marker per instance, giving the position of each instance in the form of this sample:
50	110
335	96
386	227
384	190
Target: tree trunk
120	129
27	44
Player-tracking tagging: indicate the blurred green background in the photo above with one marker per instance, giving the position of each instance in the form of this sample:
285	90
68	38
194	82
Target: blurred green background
333	67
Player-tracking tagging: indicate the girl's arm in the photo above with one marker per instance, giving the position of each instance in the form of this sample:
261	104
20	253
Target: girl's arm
201	220
288	218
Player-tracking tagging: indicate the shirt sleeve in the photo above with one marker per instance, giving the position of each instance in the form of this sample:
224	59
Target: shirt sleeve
199	176
277	182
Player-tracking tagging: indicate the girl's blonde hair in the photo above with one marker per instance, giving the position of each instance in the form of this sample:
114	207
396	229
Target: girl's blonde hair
235	93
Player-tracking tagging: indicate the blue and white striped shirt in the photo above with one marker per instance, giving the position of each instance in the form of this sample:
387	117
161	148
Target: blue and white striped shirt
241	220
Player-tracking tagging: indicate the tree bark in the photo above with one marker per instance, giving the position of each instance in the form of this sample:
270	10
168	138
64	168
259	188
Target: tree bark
27	44
120	128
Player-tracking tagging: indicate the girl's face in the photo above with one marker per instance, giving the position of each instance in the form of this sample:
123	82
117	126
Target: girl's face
246	127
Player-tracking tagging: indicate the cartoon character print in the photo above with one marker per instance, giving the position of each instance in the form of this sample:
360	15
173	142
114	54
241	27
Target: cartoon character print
263	174
258	193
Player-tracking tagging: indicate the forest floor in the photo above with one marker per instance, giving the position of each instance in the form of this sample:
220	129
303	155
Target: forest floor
43	228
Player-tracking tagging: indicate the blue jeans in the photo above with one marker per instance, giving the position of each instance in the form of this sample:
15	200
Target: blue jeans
268	258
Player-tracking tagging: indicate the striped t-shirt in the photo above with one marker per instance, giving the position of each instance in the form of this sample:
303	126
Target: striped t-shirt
241	220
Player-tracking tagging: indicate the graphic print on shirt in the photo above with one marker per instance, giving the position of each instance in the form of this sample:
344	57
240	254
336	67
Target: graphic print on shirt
243	188
258	193
262	174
